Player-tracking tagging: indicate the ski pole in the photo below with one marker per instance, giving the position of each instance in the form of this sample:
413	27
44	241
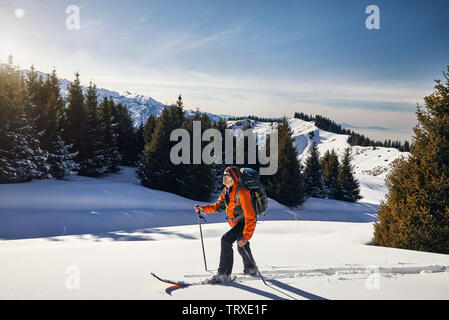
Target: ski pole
201	234
254	265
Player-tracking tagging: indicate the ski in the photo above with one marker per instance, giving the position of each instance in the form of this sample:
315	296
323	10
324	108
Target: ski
186	283
178	282
203	275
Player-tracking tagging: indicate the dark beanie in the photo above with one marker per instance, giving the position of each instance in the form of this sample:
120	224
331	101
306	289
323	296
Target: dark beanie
233	171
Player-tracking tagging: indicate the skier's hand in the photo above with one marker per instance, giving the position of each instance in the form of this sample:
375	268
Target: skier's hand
198	209
242	242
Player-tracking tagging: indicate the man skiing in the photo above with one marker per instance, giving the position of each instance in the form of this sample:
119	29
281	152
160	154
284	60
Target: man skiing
241	217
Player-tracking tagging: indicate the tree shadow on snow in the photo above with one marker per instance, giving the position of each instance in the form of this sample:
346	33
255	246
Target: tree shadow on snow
139	235
120	235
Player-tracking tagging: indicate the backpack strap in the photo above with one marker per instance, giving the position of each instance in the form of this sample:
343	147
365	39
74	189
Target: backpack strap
237	193
242	215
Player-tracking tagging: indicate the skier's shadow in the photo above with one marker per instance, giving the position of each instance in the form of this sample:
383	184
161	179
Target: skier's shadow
280	285
266	294
269	295
256	291
294	290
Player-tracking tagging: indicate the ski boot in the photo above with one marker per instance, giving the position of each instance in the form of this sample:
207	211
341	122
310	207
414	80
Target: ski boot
250	272
219	278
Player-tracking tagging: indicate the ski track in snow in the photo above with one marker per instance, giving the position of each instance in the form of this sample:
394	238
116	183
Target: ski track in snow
363	271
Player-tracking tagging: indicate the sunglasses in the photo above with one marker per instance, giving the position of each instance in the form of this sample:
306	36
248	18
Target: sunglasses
226	175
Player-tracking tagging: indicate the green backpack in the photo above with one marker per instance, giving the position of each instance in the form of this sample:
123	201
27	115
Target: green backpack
250	179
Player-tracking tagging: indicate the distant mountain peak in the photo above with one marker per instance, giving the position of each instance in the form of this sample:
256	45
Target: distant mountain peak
139	106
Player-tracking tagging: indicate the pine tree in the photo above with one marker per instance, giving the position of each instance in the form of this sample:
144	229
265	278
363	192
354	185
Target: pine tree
349	188
148	129
415	214
139	144
313	176
147	133
287	185
11	98
76	122
125	135
21	158
34	121
108	123
197	179
158	171
217	168
61	160
94	165
331	166
37	99
406	146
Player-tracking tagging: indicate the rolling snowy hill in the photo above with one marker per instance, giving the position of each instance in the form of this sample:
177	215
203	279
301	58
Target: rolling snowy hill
370	166
99	238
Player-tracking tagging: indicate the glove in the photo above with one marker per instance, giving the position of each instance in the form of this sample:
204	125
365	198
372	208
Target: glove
197	208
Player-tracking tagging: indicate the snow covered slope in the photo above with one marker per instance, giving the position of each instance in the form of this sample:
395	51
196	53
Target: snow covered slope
370	166
79	205
300	259
99	238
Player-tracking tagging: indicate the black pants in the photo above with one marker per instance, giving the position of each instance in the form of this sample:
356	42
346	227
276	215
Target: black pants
227	254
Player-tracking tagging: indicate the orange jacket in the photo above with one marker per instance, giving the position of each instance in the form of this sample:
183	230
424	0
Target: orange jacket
233	208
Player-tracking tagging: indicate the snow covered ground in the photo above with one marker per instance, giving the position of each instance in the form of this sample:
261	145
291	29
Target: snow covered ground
100	239
77	205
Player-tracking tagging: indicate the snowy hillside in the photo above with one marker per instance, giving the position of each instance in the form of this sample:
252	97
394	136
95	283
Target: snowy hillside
370	166
99	238
78	205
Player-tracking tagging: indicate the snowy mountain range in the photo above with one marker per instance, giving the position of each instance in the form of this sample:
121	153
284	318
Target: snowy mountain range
139	106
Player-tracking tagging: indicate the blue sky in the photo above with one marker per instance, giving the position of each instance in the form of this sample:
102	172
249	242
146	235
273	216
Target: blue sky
269	58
